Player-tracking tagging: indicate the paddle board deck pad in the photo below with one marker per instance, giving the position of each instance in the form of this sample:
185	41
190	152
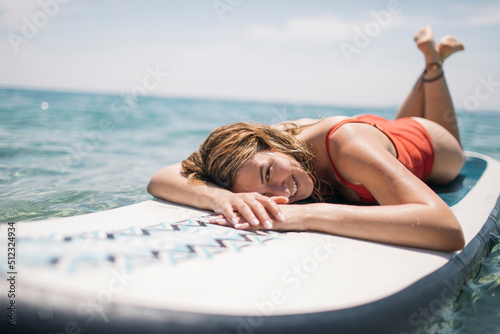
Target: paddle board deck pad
159	267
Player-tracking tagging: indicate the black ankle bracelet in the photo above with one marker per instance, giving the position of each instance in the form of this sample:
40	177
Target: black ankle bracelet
437	77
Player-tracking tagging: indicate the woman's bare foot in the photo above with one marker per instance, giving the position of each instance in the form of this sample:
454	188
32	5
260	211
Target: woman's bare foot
448	45
426	44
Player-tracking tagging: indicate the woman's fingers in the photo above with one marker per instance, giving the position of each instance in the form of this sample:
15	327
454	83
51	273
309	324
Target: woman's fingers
274	208
254	212
227	212
266	210
242	226
280	199
252	208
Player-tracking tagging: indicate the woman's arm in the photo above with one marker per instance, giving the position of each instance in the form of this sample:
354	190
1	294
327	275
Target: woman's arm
426	226
413	225
170	184
410	213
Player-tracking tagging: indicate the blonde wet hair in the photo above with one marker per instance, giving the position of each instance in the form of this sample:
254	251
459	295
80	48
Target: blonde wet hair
228	147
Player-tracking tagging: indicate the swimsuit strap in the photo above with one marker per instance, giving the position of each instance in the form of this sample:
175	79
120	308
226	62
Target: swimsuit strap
361	190
352	120
413	144
327	142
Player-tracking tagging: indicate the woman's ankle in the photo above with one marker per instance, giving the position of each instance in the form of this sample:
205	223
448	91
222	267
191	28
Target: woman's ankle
448	45
433	71
425	42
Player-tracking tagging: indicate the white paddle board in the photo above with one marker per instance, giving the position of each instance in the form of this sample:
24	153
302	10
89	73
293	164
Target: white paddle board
160	267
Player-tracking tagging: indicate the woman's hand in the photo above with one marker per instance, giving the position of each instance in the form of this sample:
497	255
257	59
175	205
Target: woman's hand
294	220
251	208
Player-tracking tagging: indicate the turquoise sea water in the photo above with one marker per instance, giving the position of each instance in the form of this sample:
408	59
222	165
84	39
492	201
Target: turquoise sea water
64	154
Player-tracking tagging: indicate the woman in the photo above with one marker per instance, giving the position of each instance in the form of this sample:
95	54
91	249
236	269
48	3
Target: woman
246	172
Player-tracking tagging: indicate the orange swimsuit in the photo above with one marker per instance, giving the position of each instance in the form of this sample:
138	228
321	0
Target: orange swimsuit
412	142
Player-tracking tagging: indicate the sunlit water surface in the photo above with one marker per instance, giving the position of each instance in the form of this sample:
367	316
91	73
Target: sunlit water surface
63	154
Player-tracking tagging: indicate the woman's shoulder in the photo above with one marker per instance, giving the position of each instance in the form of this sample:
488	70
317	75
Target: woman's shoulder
320	130
330	122
325	125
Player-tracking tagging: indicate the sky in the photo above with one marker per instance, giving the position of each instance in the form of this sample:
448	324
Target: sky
347	53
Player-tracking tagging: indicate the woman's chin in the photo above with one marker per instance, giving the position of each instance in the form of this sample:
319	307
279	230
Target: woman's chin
304	190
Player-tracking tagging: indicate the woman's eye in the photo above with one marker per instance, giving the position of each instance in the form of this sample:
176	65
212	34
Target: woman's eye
268	173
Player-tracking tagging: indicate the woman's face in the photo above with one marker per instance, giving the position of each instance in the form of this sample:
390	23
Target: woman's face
274	174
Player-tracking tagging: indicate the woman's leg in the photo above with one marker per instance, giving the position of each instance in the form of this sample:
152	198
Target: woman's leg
413	106
430	97
438	106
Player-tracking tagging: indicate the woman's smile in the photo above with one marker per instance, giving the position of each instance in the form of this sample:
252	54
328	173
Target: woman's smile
294	189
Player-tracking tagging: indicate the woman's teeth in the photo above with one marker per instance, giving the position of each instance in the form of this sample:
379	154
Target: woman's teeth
294	189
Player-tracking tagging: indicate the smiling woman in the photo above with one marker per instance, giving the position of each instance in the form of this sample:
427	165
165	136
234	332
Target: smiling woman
247	172
235	155
279	175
